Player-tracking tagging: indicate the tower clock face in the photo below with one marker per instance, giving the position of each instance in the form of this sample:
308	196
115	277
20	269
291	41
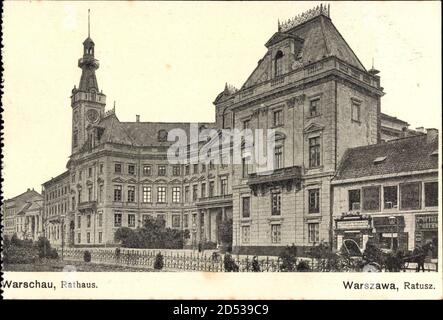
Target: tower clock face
92	115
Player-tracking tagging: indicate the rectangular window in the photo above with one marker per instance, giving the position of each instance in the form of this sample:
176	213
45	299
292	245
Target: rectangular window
224	186
354	199
211	188
278	118
276	203
131	169
203	190
211	164
100	193
101	168
118	193
147	194
88	221
79	237
73	178
75	140
131	220
147	170
161	217
203	167
90	193
355	112
162	170
186	193
410	196
187	169
313	232
88	237
246	207
185	221
194	192
275	233
371	198
431	194
245	234
390	196
100	219
176	170
118	168
314	107
73	203
245	167
195	170
79	221
80	174
314	152
131	193
117	220
161	194
176	221
176	197
314	200
89	172
100	237
246	124
278	157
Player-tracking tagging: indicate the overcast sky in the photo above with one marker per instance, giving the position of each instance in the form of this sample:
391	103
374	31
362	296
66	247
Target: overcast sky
167	61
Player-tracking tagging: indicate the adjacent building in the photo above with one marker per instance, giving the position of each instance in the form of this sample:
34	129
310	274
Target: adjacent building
388	193
22	215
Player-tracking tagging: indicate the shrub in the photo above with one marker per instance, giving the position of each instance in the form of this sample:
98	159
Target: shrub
229	264
158	263
45	250
209	245
87	256
288	258
303	266
20	254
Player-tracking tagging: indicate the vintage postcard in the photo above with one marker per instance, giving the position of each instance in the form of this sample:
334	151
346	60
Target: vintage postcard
221	150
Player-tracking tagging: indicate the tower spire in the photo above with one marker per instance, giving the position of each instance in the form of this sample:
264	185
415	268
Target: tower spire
89	23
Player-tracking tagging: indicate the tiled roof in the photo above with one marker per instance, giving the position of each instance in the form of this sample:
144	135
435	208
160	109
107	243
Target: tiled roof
402	155
140	134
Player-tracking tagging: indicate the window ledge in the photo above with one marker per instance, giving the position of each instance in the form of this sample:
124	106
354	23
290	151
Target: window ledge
314	116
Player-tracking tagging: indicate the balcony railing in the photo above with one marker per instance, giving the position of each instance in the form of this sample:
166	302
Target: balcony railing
87	206
286	177
225	199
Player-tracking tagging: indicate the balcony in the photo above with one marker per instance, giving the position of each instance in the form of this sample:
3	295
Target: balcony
284	177
87	206
215	201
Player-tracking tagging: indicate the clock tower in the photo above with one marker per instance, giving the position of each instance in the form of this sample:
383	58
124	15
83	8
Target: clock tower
87	102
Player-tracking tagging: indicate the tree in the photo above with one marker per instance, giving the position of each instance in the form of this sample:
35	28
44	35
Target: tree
288	258
225	233
152	235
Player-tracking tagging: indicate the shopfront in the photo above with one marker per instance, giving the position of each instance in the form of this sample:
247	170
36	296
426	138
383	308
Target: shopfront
352	229
390	234
426	231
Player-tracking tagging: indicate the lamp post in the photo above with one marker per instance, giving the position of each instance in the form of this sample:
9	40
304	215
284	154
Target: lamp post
392	222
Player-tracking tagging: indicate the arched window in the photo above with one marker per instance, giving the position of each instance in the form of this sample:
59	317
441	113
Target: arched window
278	63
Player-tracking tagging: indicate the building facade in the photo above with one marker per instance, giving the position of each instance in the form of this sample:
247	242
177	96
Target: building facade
309	89
22	215
388	194
56	194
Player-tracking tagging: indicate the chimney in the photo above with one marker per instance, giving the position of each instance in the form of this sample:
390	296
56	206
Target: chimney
431	134
28	190
137	118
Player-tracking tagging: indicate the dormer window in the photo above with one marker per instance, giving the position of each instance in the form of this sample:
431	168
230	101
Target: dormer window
278	64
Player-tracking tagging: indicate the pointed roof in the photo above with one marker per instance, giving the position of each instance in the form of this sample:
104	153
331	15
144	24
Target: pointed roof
322	39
